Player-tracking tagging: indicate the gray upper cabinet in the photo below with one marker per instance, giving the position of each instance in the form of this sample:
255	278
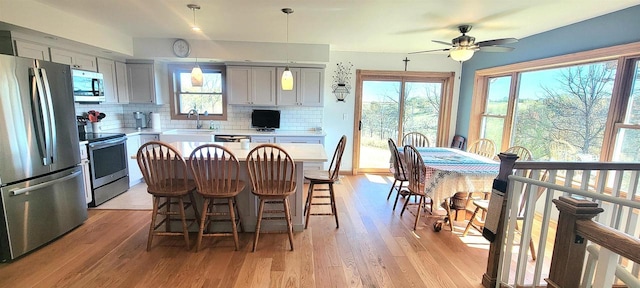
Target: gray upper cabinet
73	59
145	83
260	86
288	98
108	69
121	83
307	87
251	85
32	50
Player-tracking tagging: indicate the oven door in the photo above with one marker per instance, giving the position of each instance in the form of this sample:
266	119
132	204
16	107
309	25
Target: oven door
108	161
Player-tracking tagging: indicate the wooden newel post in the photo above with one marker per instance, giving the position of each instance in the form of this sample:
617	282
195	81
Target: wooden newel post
569	248
494	221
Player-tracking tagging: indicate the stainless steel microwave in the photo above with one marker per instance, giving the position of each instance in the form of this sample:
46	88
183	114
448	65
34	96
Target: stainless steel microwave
88	86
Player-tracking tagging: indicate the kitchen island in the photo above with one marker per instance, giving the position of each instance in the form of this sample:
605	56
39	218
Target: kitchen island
301	154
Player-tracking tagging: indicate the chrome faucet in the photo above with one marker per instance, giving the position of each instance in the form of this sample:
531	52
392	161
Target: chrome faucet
194	111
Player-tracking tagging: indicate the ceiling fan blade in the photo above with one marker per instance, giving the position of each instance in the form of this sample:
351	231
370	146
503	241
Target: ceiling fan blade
425	51
441	42
496	49
497	42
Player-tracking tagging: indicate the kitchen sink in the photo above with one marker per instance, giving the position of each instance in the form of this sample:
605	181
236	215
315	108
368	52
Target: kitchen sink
187	135
190	131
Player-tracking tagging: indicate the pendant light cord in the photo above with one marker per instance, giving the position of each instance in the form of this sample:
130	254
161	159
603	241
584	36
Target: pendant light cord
288	39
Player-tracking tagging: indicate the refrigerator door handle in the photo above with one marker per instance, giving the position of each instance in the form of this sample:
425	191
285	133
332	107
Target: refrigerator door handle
51	119
37	96
19	191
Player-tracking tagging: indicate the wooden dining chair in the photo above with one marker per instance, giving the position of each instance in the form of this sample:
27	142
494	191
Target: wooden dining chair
398	169
216	170
272	174
483	147
482	206
523	153
416	139
166	175
417	170
324	178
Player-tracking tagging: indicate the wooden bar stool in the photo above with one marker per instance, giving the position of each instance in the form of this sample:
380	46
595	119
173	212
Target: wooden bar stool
215	170
272	174
165	172
328	178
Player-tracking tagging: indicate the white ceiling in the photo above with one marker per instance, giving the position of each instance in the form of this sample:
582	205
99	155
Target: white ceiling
347	25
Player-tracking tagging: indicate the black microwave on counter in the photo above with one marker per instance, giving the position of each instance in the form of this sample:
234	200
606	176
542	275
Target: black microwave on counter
88	87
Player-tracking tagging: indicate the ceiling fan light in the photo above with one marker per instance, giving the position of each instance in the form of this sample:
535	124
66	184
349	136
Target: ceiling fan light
461	54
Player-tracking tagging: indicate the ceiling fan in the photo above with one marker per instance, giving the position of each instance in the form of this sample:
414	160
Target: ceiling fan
464	45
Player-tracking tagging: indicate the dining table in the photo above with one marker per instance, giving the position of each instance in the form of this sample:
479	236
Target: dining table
449	170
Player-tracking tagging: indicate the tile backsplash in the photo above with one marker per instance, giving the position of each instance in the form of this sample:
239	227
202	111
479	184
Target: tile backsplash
238	117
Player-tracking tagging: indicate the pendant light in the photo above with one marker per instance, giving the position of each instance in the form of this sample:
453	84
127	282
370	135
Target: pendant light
196	75
196	72
287	77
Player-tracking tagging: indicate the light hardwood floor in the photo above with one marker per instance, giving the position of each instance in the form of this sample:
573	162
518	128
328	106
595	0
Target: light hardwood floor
374	247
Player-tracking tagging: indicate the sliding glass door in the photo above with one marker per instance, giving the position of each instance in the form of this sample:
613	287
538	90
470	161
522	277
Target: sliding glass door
391	106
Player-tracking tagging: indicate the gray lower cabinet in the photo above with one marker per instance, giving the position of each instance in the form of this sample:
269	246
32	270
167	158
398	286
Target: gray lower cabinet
307	140
262	139
133	144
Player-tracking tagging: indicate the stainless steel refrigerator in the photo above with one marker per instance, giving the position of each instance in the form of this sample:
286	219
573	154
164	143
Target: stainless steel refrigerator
40	181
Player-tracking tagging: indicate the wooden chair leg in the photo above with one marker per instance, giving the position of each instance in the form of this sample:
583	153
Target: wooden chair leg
397	197
406	201
287	215
473	217
333	204
307	206
415	224
232	215
447	206
167	216
154	215
203	219
194	206
238	216
257	233
533	249
393	186
185	231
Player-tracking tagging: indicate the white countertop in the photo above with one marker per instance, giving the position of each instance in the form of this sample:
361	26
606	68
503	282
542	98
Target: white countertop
247	132
299	152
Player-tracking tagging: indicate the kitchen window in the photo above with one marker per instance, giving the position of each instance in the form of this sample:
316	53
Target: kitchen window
209	100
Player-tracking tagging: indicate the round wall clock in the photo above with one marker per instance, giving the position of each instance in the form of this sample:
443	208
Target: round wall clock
181	48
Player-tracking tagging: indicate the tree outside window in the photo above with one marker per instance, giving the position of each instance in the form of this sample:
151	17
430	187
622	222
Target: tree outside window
208	100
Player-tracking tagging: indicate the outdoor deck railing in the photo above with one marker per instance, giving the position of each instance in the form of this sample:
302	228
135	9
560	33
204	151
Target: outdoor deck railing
527	209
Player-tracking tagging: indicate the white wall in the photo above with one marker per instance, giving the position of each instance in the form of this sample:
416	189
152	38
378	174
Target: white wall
39	17
339	116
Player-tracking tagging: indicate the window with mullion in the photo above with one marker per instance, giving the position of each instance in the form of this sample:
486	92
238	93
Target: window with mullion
208	99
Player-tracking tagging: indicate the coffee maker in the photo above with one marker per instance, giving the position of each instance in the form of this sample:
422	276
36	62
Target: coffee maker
141	119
